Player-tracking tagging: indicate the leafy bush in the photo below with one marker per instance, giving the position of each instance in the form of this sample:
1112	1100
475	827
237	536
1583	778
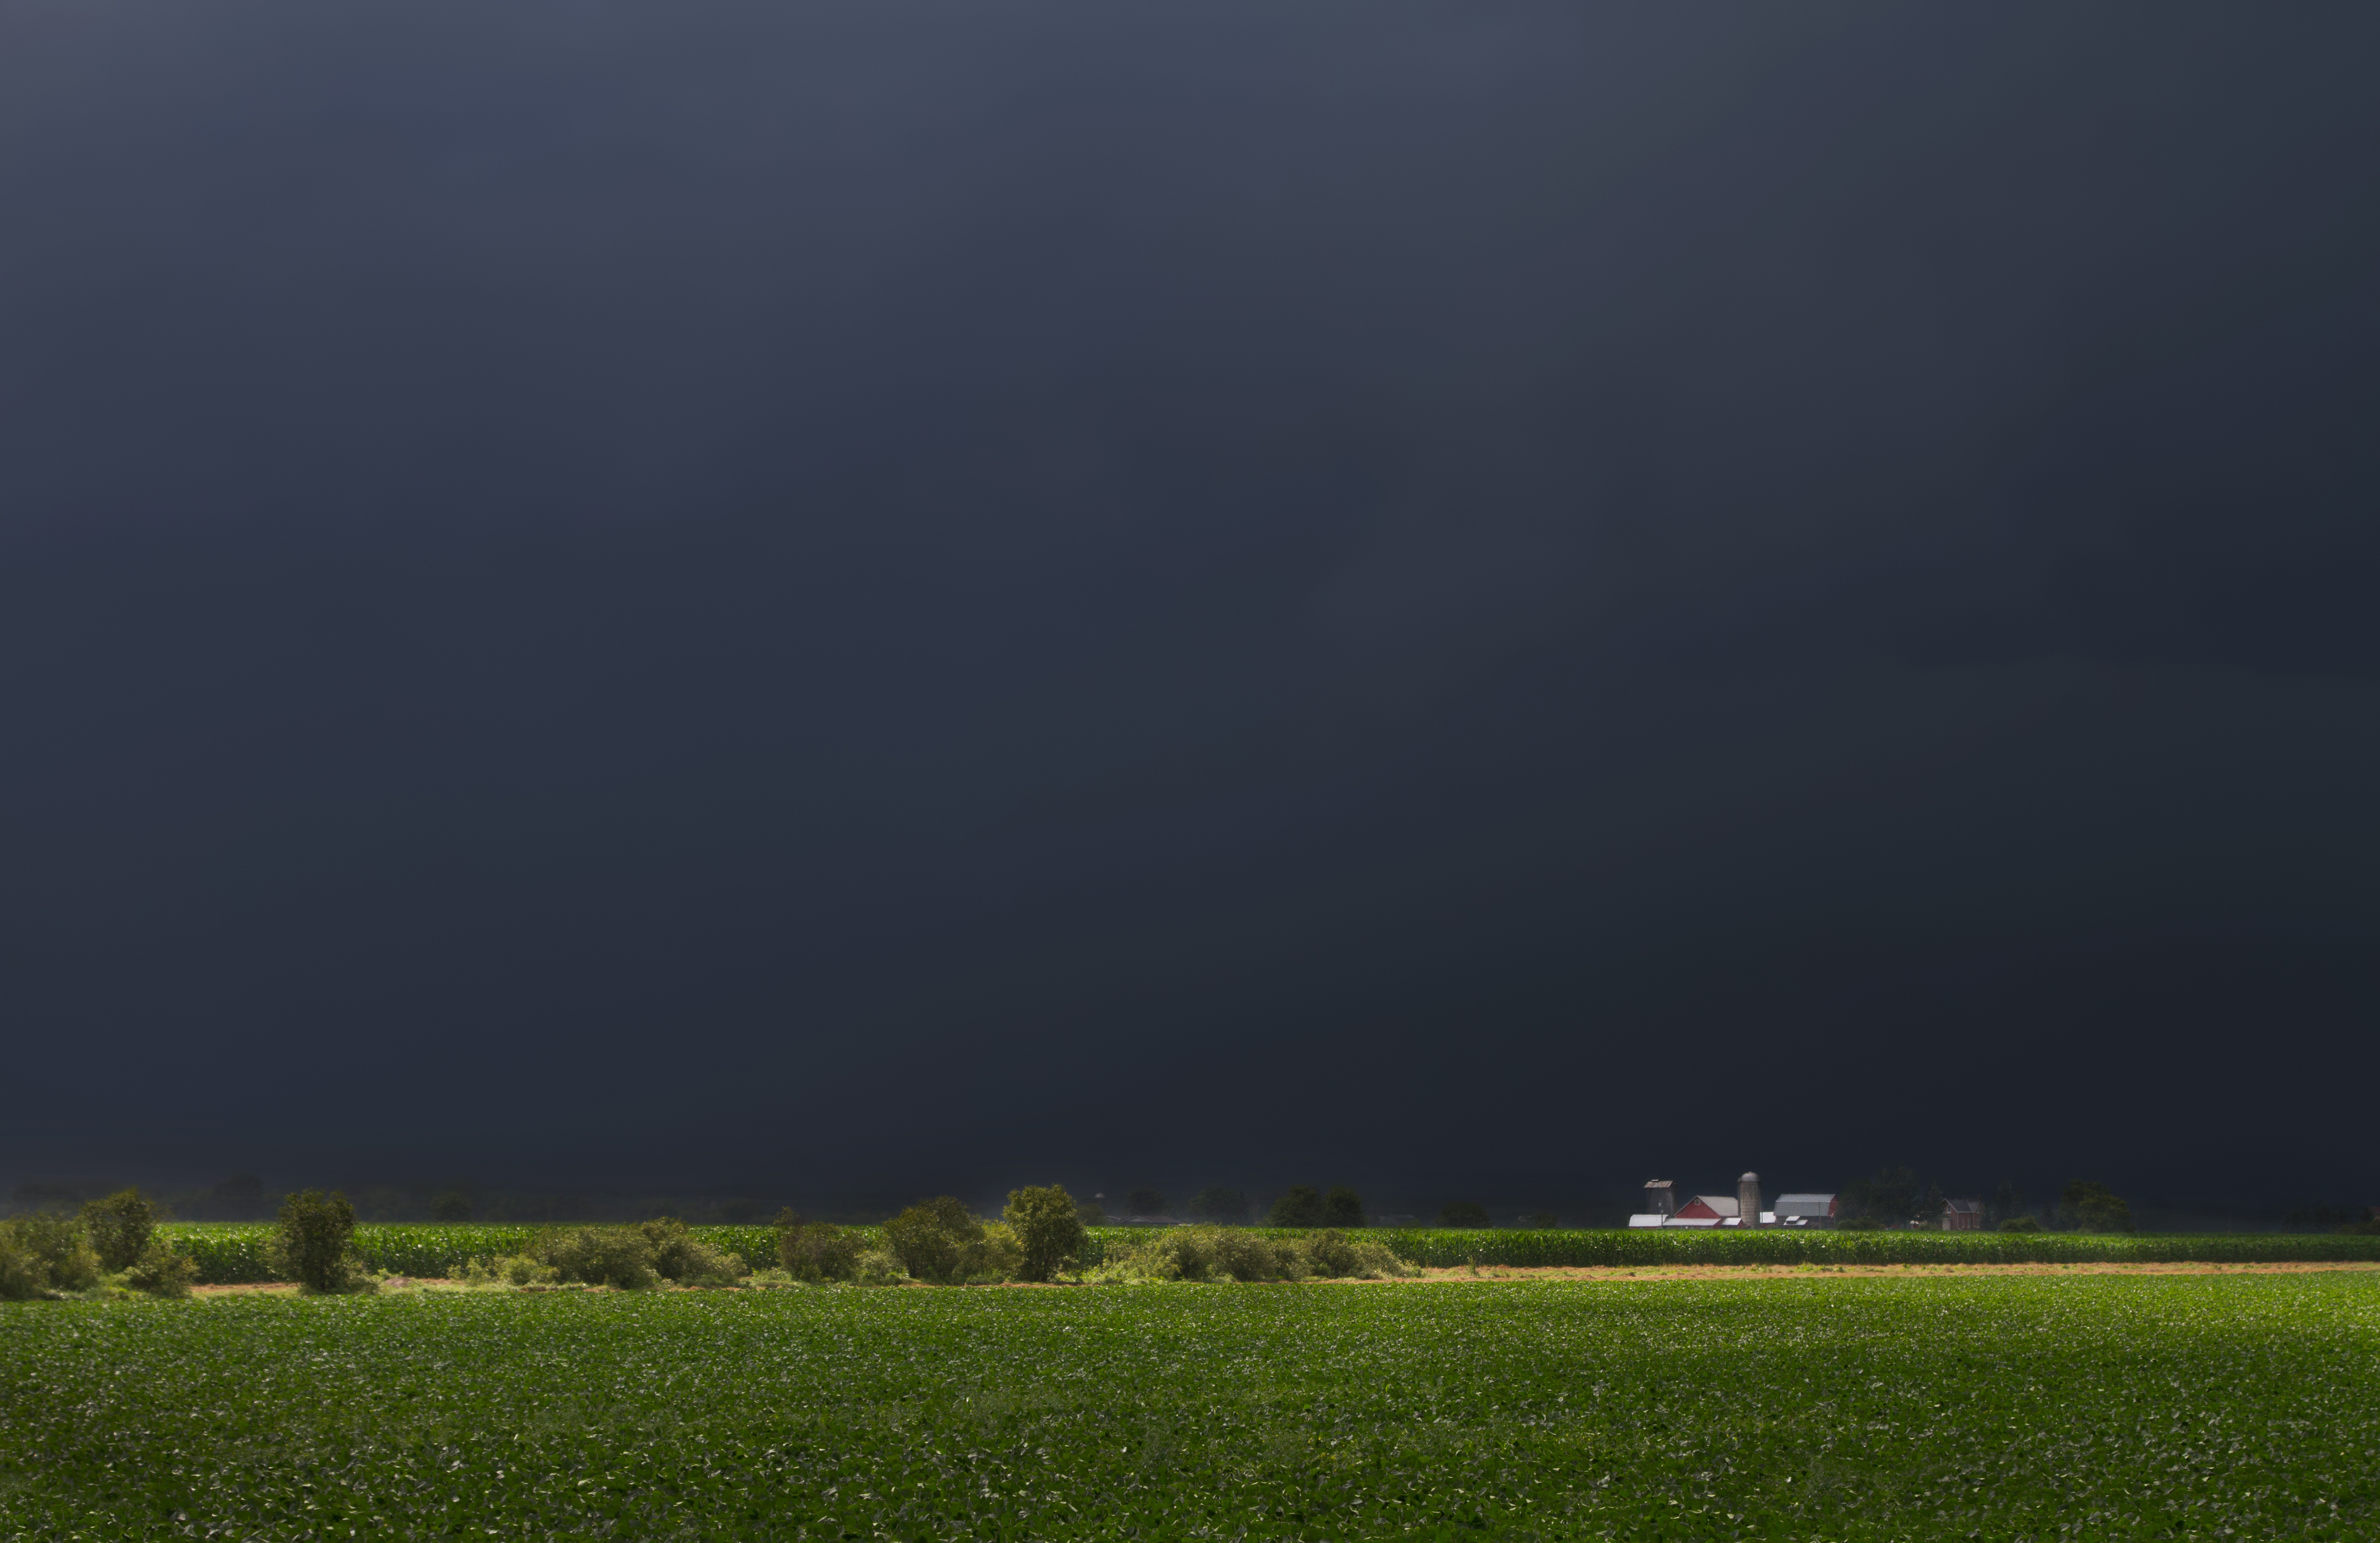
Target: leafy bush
878	1267
1091	1213
1237	1254
1220	1207
510	1269
119	1228
2021	1224
931	1238
999	1255
616	1257
681	1257
159	1271
636	1257
54	1253
1298	1206
1463	1213
814	1250
1343	1207
22	1275
312	1242
1049	1235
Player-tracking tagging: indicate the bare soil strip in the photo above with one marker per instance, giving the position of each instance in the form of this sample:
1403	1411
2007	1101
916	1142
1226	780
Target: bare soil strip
1811	1272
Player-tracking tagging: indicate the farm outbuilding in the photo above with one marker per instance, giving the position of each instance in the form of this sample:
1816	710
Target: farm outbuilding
1808	1210
1962	1216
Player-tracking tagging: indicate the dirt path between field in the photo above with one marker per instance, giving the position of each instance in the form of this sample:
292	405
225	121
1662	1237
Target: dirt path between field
1804	1272
1458	1273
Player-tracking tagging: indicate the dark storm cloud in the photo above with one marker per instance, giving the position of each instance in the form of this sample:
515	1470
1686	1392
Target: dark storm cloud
920	593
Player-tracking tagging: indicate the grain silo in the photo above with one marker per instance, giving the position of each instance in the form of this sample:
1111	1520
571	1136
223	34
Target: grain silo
1747	1200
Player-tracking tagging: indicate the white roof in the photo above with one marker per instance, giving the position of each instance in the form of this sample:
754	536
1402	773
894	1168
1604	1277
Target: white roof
1723	1204
1690	1222
1647	1218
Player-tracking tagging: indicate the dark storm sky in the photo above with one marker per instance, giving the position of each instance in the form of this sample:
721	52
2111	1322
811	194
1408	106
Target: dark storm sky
1485	599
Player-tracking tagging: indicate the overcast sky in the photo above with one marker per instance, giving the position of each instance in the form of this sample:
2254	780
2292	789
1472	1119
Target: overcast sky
1478	600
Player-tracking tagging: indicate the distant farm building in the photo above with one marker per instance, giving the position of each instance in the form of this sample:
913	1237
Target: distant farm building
1662	1210
1808	1210
1962	1216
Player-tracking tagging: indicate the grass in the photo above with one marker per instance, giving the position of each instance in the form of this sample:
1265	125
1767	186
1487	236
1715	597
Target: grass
1802	1407
234	1252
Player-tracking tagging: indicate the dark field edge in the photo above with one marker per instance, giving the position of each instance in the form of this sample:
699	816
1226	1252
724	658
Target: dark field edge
232	1252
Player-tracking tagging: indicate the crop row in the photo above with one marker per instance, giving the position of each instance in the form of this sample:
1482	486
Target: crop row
234	1252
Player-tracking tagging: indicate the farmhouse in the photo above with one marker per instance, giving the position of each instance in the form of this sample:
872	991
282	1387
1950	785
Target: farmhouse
1962	1216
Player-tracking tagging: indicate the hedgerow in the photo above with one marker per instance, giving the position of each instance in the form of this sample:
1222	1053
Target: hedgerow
229	1253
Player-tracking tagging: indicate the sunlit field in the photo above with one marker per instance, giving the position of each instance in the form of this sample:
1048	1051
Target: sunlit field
2092	1406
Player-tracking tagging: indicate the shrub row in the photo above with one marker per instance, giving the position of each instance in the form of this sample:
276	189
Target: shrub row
1241	1253
113	1245
237	1252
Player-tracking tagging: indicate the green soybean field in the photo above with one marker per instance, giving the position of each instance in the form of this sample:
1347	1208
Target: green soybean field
2012	1406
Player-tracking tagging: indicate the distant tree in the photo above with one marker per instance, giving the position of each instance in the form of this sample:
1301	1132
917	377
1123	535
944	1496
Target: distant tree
1047	1228
2006	1204
1542	1219
816	1250
1463	1213
451	1205
2021	1224
1091	1212
312	1244
1146	1202
1343	1207
931	1237
1299	1206
119	1228
49	1197
1219	1207
2321	1217
2093	1208
1894	1195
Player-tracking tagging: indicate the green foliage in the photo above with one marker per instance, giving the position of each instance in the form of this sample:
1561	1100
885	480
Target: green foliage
2093	1208
1220	1207
878	1267
1240	1254
1343	1207
22	1275
2099	1408
119	1228
621	1258
312	1244
1090	1213
810	1250
1298	1206
514	1269
1049	1236
931	1238
50	1253
452	1206
233	1252
681	1257
1144	1202
160	1271
1463	1213
2021	1224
